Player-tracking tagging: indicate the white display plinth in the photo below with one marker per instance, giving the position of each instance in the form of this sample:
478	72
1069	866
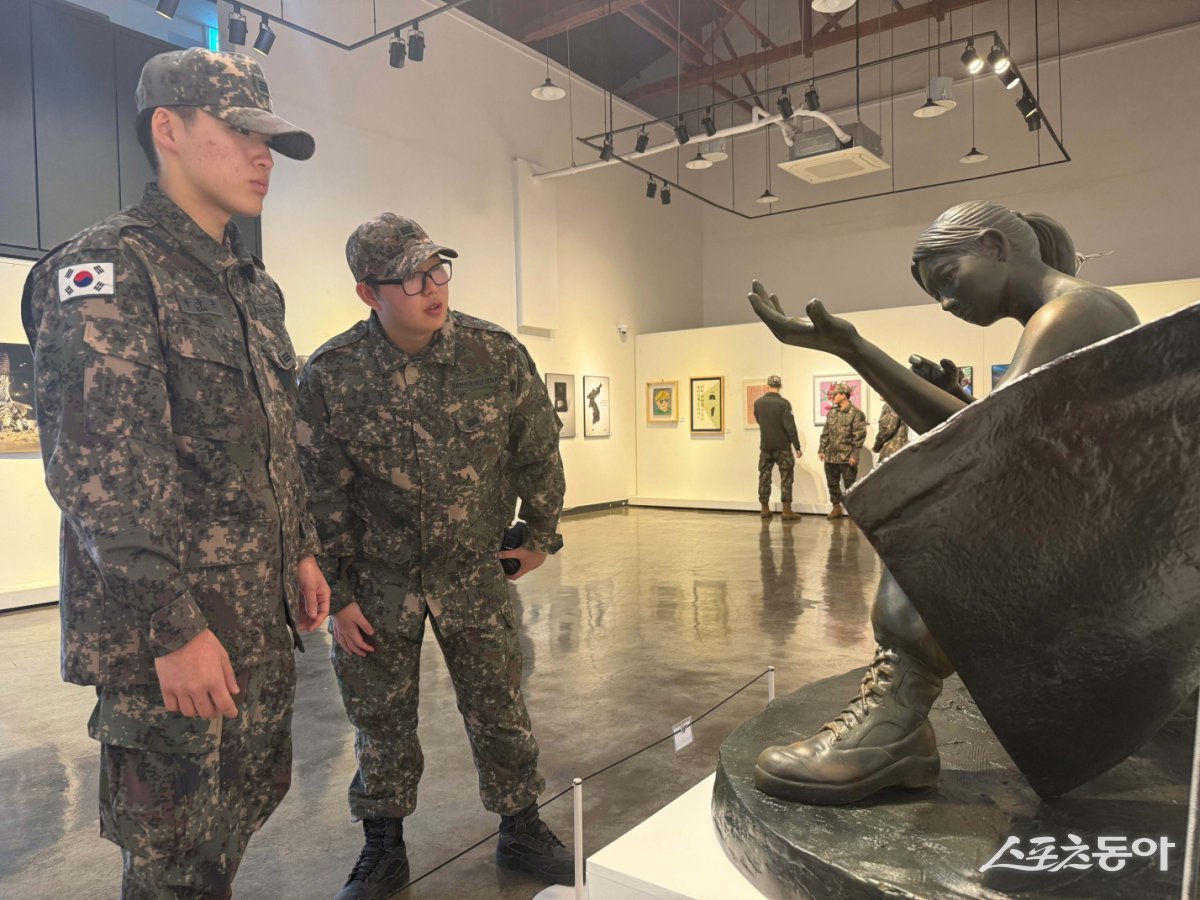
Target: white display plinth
674	854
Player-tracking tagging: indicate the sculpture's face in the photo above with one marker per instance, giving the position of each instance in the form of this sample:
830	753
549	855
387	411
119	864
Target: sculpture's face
969	285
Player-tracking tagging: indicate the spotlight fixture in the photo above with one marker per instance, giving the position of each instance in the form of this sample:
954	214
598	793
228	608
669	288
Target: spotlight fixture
812	101
665	195
973	157
397	51
929	109
998	59
1010	78
714	151
681	132
167	8
784	104
416	45
642	142
606	152
971	59
651	189
831	6
237	26
710	126
1034	122
266	37
767	198
1027	105
698	161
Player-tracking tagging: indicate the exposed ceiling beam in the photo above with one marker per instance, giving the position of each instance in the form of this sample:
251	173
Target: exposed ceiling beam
572	16
748	62
732	6
733	57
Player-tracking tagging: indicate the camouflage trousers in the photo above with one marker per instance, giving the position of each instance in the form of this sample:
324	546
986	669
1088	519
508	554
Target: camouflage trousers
767	460
380	694
838	474
182	797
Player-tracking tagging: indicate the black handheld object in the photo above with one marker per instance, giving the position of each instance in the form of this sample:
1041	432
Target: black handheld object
514	536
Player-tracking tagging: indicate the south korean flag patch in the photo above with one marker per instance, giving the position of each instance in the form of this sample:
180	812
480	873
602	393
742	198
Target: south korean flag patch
85	279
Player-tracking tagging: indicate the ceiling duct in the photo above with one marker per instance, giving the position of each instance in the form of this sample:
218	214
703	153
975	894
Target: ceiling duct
818	156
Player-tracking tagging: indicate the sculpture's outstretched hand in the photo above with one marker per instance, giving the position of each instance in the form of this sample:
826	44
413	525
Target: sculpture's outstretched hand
820	331
946	375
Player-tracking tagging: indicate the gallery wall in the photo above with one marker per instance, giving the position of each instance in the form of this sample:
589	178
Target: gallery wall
1131	126
720	471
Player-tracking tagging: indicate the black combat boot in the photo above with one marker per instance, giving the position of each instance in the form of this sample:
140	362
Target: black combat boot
382	867
882	739
527	843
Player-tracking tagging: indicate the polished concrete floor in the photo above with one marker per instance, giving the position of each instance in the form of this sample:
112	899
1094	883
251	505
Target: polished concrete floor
648	616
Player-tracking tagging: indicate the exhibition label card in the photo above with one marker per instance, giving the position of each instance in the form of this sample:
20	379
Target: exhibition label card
682	732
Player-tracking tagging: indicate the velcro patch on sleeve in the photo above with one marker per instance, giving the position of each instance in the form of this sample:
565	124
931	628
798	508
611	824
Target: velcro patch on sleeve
86	279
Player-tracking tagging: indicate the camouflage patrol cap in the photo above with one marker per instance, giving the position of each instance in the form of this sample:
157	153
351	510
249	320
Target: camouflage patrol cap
390	246
840	388
774	381
227	85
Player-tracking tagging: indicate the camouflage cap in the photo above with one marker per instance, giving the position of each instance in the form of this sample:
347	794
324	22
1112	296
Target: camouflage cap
840	388
774	381
227	85
390	246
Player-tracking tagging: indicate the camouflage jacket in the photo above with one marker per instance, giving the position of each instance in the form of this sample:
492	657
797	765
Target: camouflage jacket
844	434
415	463
165	394
892	434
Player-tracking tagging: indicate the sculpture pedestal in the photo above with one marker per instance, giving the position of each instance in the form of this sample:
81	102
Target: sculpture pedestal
933	843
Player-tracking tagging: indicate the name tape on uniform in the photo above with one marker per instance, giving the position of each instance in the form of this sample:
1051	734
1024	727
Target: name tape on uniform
85	279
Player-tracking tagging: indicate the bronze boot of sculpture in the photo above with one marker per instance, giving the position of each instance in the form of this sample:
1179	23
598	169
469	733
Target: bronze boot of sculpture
883	737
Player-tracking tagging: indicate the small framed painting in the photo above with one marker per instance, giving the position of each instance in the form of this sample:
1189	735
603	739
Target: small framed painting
561	389
966	379
596	421
752	389
708	404
662	401
18	427
823	394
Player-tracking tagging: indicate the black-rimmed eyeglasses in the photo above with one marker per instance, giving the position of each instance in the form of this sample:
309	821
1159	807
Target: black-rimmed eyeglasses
415	284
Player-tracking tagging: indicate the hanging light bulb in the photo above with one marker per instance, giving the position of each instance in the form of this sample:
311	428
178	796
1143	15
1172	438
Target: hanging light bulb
831	6
973	157
767	198
547	91
698	162
929	109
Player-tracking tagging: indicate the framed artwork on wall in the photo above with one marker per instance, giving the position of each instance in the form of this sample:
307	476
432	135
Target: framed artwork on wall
561	389
662	401
596	420
966	379
18	427
823	396
999	370
752	389
708	404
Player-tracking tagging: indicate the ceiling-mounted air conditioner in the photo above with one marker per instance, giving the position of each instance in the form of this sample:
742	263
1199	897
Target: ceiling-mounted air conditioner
818	156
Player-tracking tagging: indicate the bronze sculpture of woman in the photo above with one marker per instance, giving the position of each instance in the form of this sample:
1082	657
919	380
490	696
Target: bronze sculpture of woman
982	263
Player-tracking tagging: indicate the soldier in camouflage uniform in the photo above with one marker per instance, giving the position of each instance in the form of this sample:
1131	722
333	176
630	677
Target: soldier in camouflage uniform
419	428
165	393
844	434
776	439
892	433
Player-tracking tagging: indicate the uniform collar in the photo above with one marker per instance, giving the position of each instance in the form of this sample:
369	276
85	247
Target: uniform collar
194	239
388	356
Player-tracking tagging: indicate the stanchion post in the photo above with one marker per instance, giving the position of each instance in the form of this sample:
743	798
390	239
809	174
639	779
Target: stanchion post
1190	852
770	683
577	793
